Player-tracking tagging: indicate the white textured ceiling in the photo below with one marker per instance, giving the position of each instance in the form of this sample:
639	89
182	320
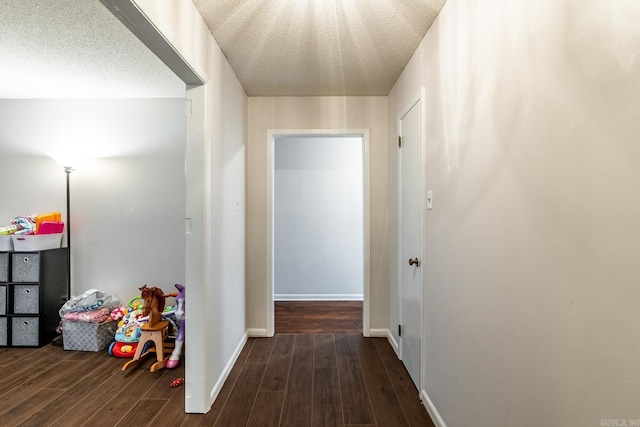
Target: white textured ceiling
318	47
76	49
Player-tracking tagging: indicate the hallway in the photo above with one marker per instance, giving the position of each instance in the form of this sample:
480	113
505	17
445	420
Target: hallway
316	380
313	317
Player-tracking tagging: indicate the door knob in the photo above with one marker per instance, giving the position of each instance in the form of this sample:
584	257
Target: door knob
414	261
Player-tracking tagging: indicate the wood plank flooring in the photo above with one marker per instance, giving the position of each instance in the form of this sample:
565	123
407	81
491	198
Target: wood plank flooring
319	379
312	317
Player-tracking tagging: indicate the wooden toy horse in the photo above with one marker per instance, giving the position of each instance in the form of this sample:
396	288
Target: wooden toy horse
154	302
155	330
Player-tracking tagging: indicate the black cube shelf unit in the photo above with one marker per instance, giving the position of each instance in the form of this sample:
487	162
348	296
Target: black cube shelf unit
33	287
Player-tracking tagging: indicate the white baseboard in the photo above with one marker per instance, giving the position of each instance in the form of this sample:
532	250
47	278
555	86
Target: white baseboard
256	332
318	297
227	369
394	344
431	409
379	333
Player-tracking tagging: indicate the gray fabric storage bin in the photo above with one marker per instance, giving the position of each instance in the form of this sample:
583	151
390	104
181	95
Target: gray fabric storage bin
3	300
3	331
25	267
26	299
24	331
4	267
86	336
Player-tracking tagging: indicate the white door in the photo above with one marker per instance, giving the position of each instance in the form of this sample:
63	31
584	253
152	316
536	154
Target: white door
410	244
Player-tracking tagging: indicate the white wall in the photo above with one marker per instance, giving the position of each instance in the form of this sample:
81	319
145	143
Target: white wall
127	209
315	113
531	278
215	169
318	218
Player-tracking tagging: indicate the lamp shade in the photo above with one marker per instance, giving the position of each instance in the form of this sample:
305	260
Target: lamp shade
66	160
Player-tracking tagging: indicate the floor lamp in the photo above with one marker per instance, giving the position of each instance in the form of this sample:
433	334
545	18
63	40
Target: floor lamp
67	171
63	161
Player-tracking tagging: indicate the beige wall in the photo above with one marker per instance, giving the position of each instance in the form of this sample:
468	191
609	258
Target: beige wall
531	284
315	113
215	177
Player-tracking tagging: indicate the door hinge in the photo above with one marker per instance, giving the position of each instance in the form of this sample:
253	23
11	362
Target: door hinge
399	142
399	330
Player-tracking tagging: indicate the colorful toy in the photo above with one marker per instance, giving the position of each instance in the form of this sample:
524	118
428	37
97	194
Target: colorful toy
25	225
130	328
174	359
155	330
8	229
128	331
177	382
35	224
118	313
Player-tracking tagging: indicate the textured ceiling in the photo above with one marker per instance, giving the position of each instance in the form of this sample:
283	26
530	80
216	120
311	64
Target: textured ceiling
76	49
318	47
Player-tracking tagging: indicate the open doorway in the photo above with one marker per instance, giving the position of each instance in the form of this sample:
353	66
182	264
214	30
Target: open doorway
319	235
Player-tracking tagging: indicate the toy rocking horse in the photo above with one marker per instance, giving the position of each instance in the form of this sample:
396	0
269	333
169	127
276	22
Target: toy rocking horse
155	330
154	303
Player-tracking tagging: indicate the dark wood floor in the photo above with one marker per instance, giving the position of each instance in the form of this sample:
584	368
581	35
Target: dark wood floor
321	379
317	380
312	317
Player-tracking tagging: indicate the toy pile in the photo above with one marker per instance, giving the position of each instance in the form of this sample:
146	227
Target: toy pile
157	329
129	328
49	223
97	319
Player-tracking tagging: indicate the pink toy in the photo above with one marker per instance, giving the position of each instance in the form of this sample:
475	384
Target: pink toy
118	313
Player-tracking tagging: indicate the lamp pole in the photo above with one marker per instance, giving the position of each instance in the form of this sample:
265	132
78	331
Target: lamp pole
68	170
